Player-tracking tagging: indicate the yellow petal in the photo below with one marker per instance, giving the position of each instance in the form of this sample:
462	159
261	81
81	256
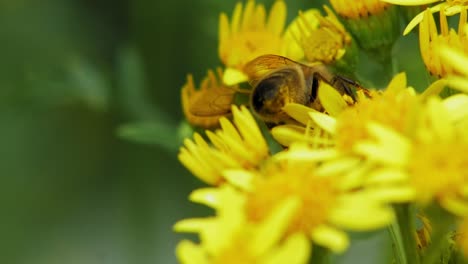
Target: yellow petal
331	99
455	58
362	218
392	148
338	166
299	112
233	76
397	83
441	126
223	32
410	2
273	228
287	134
239	178
454	205
189	253
236	18
457	106
207	196
459	83
393	194
295	250
305	154
277	18
387	176
331	238
192	225
418	18
248	15
434	89
326	122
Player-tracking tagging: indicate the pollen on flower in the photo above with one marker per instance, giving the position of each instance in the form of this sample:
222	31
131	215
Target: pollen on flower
395	111
317	194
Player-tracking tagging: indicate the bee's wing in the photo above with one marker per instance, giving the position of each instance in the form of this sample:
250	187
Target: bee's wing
261	66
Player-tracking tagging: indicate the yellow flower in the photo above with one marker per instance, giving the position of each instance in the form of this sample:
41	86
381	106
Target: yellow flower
205	106
433	162
374	24
457	60
358	9
317	38
430	42
395	107
236	145
249	35
327	199
447	8
230	237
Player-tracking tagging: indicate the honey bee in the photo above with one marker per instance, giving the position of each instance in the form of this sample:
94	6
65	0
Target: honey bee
277	80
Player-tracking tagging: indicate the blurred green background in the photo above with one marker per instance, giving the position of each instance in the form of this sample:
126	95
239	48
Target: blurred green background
72	72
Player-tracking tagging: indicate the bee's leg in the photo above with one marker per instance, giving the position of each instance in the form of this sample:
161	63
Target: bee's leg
344	85
341	84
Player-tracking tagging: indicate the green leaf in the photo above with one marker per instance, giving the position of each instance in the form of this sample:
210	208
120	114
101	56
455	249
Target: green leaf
152	133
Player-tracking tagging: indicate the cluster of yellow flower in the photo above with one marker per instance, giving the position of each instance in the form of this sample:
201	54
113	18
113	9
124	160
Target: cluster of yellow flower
355	166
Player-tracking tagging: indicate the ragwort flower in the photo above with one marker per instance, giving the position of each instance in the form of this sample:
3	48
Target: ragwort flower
239	144
358	9
204	107
430	42
327	199
312	37
448	8
457	60
230	237
433	162
374	24
249	35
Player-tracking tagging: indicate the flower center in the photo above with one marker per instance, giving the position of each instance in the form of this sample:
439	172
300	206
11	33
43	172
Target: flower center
317	195
394	111
323	45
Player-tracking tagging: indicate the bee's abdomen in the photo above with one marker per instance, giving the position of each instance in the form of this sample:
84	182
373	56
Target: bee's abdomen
266	92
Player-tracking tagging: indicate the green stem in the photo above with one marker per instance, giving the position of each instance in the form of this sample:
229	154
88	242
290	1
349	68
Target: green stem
384	57
407	233
399	250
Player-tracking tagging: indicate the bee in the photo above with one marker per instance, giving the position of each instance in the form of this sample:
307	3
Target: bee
277	80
